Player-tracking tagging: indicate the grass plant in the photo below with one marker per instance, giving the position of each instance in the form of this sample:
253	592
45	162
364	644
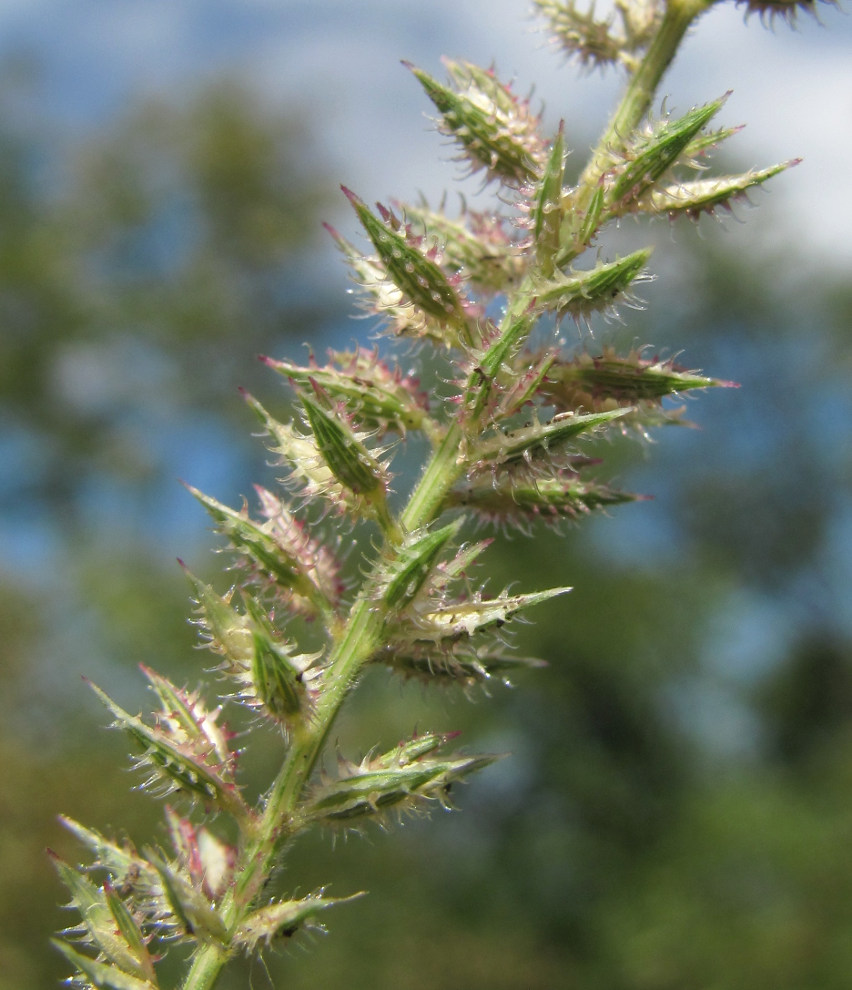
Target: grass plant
475	295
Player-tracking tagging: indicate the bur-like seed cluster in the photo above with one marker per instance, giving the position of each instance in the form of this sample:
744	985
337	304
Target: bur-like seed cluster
506	433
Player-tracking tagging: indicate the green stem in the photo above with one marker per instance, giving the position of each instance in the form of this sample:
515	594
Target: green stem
441	471
206	966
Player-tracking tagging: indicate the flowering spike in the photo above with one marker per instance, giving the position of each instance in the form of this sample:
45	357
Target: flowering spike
496	368
272	678
648	156
347	458
381	399
407	752
443	664
456	568
186	719
300	454
379	295
476	247
306	457
109	927
316	561
226	630
194	915
101	975
495	129
788	10
415	561
563	495
596	43
580	35
539	440
278	678
131	934
361	476
121	862
546	211
207	860
366	792
467	618
589	222
137	894
607	380
526	385
691	199
703	143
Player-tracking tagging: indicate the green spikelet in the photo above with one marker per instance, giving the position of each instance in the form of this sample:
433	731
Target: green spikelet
579	294
496	130
279	554
650	155
183	753
420	280
546	209
282	919
415	562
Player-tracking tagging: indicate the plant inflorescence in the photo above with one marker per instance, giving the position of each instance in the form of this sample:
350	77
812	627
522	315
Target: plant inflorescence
505	433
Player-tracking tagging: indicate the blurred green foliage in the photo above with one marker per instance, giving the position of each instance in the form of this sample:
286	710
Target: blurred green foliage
675	811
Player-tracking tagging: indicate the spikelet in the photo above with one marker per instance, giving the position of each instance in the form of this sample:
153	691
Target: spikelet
271	677
496	130
278	555
401	780
635	384
381	398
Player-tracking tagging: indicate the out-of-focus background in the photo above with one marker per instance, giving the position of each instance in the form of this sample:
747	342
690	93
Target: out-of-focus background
676	811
